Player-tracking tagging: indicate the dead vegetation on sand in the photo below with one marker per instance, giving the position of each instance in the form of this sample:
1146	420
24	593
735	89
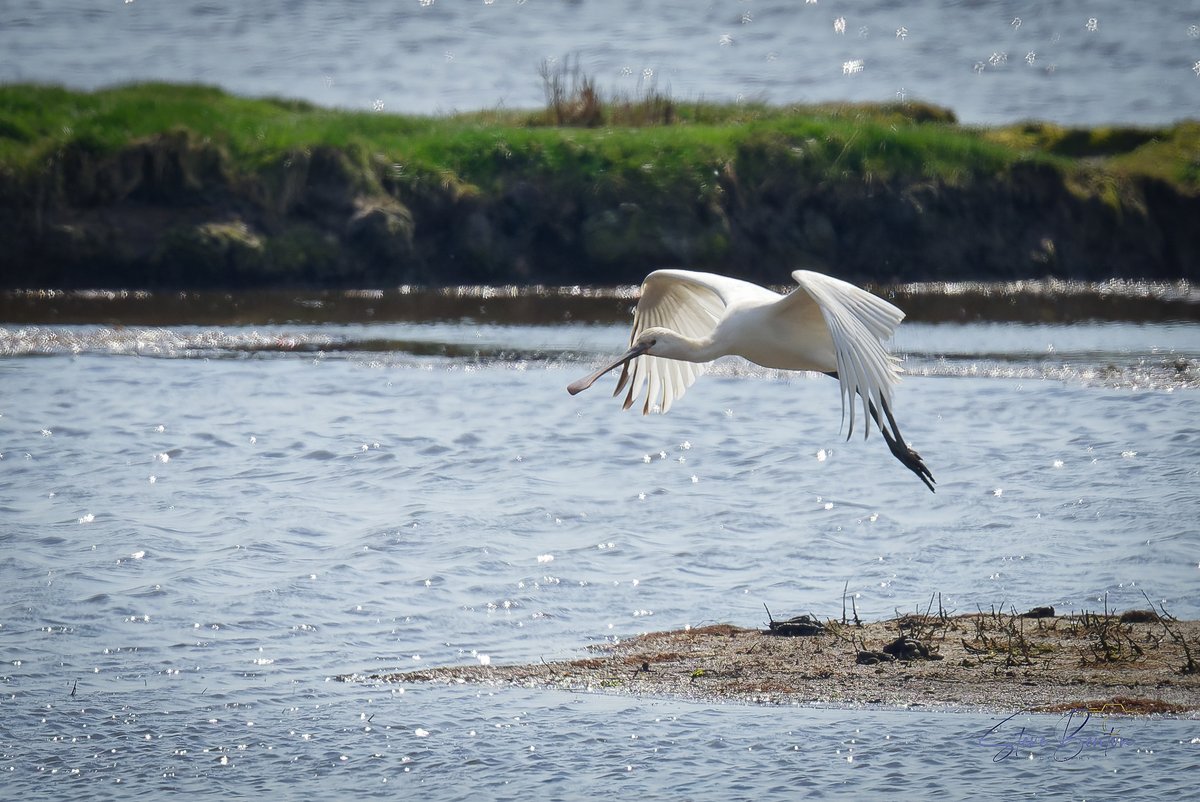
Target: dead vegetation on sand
1139	662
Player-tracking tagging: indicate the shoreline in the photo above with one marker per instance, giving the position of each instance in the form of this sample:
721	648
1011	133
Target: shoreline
1045	301
1135	664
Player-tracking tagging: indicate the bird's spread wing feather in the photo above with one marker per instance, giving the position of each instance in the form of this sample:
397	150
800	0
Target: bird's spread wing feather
688	302
858	323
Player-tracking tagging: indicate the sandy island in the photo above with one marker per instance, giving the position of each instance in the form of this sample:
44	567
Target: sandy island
1135	663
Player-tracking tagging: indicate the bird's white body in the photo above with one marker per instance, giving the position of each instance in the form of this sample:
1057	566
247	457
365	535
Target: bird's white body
755	325
686	319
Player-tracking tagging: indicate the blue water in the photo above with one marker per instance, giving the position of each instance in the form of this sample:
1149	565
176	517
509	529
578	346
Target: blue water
1103	61
200	528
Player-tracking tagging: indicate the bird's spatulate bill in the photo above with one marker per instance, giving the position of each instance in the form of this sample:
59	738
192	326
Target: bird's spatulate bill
587	381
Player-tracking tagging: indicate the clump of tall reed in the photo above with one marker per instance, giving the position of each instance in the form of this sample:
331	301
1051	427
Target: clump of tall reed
573	100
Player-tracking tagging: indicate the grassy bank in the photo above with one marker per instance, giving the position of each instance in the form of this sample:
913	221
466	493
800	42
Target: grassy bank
167	185
902	140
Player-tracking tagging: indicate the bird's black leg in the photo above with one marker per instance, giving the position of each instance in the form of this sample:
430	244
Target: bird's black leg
900	449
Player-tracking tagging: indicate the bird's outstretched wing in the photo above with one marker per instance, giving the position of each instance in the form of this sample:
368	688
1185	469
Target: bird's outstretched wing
858	323
688	302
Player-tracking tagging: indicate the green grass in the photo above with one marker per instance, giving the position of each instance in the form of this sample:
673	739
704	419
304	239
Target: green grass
1171	154
909	141
250	129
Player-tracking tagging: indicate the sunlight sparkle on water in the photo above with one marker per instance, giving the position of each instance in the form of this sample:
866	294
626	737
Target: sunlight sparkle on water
353	515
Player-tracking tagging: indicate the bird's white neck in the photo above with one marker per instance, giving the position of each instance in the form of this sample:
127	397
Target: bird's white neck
670	344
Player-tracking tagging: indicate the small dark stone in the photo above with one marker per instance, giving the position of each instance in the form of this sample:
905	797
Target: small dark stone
800	625
873	658
1139	617
906	648
1039	612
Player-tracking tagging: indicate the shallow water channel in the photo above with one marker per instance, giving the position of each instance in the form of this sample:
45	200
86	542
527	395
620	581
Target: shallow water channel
202	524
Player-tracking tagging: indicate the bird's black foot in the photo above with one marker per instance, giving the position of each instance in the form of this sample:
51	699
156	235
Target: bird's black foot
908	457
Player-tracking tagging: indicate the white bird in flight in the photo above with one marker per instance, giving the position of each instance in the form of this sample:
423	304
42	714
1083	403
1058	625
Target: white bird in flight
685	319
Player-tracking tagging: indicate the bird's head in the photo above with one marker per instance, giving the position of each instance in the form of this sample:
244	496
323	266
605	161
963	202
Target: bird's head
646	340
663	342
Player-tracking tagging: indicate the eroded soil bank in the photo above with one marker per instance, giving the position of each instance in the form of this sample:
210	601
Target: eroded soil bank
158	186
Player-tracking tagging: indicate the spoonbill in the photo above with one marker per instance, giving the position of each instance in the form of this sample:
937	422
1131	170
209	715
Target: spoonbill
686	319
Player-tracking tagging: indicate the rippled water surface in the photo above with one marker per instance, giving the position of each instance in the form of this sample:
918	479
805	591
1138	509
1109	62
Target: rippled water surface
201	525
992	62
